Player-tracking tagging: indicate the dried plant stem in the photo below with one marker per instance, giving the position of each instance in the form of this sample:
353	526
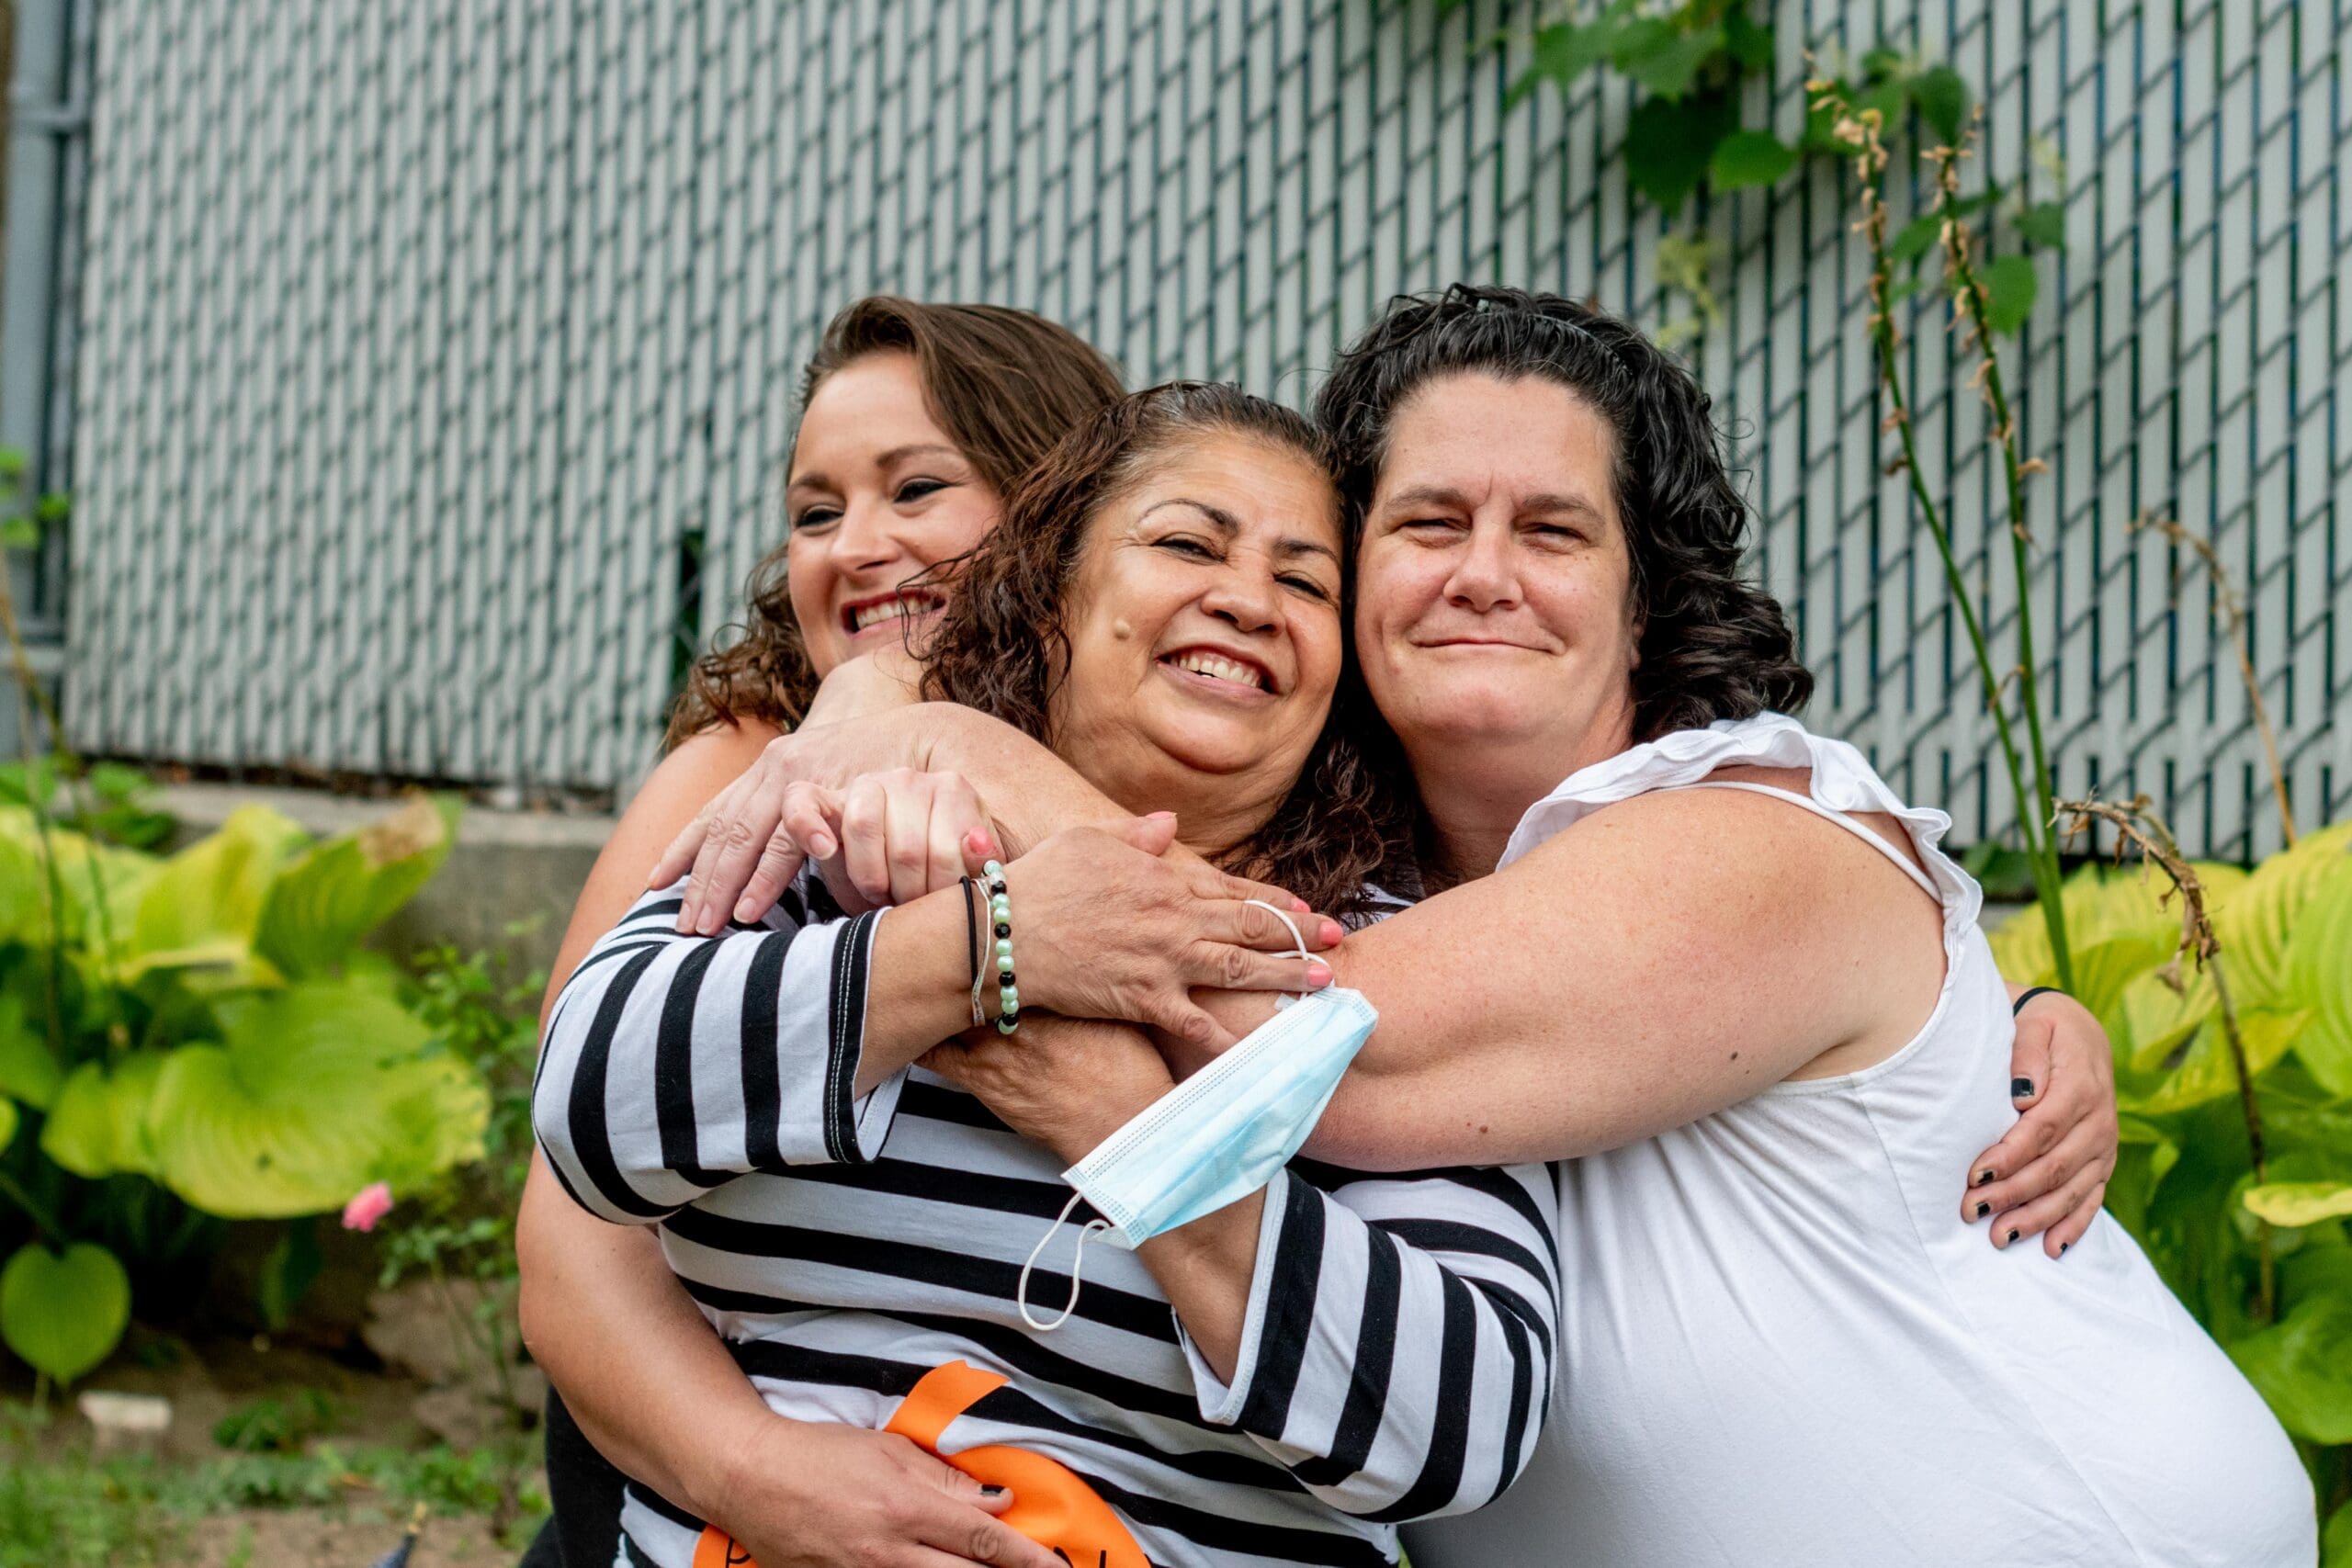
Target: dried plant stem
2137	826
1865	134
1969	303
2233	607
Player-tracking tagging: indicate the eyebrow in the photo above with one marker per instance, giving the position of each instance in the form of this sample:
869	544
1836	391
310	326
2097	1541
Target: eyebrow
1229	526
1445	495
895	455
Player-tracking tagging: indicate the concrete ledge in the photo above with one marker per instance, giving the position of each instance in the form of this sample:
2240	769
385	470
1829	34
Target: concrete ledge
509	867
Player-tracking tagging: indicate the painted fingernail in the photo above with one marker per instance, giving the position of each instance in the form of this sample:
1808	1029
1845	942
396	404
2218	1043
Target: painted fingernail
1983	1177
1983	1208
1329	933
1318	973
1299	907
2021	1089
2008	1238
2063	1246
991	1491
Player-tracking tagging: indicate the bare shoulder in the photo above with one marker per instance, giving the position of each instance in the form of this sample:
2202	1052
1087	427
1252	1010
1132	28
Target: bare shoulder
698	768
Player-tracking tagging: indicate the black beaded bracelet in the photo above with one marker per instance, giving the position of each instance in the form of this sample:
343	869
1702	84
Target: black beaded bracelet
2017	1006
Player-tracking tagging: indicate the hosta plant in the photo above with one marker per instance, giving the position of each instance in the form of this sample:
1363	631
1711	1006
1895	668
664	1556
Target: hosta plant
202	1025
2232	1032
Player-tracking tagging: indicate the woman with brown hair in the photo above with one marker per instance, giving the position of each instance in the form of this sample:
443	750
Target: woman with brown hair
1161	606
916	421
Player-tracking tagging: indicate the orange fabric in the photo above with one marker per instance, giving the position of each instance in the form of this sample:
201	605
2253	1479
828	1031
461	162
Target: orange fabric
1050	1504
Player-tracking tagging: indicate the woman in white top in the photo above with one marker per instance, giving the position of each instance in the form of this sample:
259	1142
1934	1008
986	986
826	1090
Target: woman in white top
1759	1020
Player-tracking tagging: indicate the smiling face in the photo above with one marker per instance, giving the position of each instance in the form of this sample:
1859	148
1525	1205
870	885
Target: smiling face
1204	629
877	492
1493	613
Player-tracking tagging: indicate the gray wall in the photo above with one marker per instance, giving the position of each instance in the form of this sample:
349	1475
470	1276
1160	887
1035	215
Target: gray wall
427	347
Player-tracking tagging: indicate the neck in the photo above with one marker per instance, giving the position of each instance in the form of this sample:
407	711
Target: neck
1216	814
1474	793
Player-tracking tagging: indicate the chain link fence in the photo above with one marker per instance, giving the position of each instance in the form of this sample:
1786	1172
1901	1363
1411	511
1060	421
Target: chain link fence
435	360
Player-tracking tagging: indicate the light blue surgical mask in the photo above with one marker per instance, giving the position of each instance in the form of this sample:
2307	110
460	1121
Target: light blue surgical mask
1220	1134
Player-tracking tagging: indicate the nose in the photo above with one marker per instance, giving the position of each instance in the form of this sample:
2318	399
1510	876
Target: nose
1483	577
864	538
1243	597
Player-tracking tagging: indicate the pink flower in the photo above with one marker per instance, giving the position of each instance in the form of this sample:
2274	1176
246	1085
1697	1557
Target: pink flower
366	1206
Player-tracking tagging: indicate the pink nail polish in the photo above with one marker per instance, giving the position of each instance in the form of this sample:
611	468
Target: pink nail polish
1331	931
1318	973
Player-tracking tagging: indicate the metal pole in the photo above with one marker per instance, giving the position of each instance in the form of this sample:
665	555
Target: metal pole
38	120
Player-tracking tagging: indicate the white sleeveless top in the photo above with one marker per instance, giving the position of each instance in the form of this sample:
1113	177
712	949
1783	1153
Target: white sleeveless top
1781	1344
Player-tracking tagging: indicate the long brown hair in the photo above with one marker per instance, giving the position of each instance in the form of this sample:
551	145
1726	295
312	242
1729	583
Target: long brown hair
1002	646
1004	384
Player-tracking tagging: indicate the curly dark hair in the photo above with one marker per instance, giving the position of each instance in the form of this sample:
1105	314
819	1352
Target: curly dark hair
1713	644
1003	647
1004	384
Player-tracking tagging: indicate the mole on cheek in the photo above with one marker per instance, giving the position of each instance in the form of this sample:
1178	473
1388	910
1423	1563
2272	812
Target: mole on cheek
1121	630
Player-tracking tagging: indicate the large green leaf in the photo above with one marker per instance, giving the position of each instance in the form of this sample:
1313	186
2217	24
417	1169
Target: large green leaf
334	893
93	880
1663	56
2295	1203
316	1091
1748	158
1563	52
8	1119
1668	144
202	906
2209	1070
2303	1367
2336	1541
2319	977
2257	923
1942	97
63	1313
98	1125
2011	286
29	1069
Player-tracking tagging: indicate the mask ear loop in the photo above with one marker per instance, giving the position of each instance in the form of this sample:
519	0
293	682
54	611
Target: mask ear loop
1297	949
1021	1292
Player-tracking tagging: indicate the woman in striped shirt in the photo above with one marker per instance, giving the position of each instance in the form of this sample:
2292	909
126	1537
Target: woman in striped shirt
849	1219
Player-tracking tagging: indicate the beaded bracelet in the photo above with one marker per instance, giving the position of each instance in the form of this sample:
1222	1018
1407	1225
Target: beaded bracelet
1007	996
969	887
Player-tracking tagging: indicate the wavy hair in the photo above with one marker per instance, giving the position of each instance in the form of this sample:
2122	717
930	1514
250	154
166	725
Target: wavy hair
1713	644
1004	384
1002	646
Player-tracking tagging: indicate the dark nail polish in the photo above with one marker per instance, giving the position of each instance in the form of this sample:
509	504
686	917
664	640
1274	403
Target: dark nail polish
2011	1236
2021	1089
1984	1176
991	1491
2063	1246
1983	1208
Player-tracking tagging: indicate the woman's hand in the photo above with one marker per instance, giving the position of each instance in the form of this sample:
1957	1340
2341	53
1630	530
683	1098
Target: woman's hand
2047	1175
1107	924
1064	1083
807	1494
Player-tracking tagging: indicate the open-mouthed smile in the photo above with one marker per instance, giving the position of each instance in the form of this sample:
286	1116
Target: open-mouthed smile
1215	670
861	614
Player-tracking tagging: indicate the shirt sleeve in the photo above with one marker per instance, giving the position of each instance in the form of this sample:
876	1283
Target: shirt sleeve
1396	1356
671	1063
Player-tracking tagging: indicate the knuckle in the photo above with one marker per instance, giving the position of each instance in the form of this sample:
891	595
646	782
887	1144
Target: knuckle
1234	966
986	1543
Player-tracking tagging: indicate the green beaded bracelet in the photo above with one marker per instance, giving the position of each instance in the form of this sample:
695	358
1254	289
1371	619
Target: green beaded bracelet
1008	995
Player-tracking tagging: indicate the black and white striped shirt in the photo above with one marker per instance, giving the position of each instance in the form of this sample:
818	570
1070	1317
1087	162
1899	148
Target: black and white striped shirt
1396	1356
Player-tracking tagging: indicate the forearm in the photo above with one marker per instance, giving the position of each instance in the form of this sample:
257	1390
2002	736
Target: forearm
1206	1269
638	1365
748	1038
919	986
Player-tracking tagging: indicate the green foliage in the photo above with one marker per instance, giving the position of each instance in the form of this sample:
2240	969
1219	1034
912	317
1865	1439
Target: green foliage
276	1424
199	1034
2264	1259
62	1311
462	1227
